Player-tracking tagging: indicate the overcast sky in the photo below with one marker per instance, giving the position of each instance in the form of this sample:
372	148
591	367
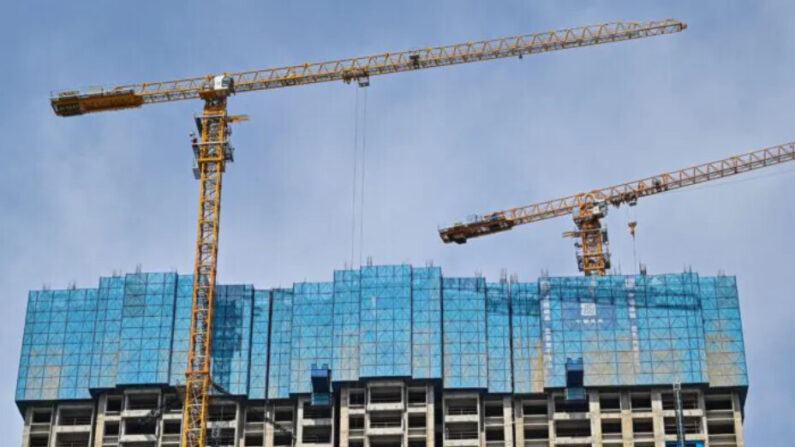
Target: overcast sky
85	196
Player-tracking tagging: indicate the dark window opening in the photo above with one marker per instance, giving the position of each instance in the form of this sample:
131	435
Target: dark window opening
417	443
417	421
283	415
574	429
611	427
536	433
386	420
42	416
720	429
562	405
111	429
255	415
317	435
113	404
356	443
39	441
462	406
461	431
75	416
72	440
222	413
610	403
254	440
356	422
141	401
718	403
140	426
641	401
282	439
356	398
172	427
386	395
495	434
385	441
172	403
642	427
493	409
537	408
417	397
311	412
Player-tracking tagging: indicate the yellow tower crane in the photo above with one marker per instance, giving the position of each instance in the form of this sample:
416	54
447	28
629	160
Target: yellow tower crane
212	150
588	208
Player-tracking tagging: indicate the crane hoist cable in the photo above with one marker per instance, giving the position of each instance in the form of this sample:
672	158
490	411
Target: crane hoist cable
212	148
588	208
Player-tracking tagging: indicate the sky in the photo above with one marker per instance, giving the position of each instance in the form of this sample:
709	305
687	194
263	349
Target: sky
87	196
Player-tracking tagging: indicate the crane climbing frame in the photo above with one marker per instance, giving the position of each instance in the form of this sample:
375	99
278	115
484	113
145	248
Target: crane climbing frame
213	151
587	208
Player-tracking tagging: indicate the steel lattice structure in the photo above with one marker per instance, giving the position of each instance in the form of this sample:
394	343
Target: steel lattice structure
588	208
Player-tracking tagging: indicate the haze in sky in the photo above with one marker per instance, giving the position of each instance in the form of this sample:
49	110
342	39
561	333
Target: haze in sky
88	196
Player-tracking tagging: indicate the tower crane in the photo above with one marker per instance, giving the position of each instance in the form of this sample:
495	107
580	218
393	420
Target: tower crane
212	150
588	208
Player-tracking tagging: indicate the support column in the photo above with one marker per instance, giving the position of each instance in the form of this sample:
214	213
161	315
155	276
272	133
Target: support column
738	420
627	433
430	417
551	418
299	422
518	422
657	418
344	424
270	413
507	420
595	413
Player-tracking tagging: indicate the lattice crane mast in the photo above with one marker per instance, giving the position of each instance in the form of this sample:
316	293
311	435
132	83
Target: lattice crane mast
588	208
212	150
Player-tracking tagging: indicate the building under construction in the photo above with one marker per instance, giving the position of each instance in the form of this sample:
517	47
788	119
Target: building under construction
392	356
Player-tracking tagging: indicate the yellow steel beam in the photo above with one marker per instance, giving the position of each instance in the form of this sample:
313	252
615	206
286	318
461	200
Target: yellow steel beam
76	102
616	195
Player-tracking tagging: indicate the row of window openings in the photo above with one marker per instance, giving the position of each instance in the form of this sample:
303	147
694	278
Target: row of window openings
385	395
387	441
640	402
388	420
641	428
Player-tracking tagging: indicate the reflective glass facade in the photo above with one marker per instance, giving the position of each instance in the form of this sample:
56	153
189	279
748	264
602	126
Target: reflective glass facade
388	321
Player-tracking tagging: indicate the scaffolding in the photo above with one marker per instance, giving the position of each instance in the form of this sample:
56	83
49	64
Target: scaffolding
388	321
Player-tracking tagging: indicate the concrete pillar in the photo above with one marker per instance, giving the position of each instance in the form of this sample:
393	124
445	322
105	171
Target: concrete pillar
595	414
430	431
657	418
299	422
518	422
627	433
271	414
551	418
344	424
507	420
738	420
99	421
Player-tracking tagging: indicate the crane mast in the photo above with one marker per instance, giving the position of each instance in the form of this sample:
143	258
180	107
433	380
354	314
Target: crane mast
588	208
212	150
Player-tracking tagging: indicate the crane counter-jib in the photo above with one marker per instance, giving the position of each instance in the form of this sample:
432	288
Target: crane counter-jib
77	102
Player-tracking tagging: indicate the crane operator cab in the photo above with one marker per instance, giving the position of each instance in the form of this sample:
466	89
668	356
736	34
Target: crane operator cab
219	85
